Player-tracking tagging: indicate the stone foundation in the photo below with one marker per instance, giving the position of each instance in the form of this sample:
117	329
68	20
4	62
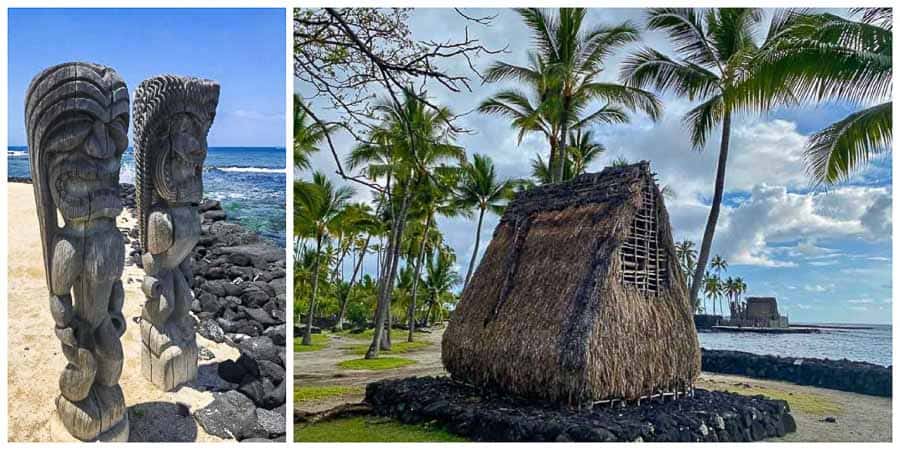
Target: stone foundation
708	416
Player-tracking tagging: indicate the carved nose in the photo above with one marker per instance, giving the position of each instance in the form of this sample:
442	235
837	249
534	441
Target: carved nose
99	144
188	146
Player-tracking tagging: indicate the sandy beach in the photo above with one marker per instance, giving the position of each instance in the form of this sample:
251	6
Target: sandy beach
857	417
35	358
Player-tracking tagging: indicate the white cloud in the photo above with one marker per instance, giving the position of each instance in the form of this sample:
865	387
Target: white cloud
772	214
818	288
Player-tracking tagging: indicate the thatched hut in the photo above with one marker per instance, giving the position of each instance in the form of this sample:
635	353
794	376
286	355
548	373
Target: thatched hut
762	308
579	296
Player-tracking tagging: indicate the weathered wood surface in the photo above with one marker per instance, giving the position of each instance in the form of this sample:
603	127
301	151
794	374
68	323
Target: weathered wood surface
76	117
172	116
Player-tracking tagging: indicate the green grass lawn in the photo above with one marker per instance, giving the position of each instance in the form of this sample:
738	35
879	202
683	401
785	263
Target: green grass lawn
380	363
312	393
371	429
799	401
319	341
396	347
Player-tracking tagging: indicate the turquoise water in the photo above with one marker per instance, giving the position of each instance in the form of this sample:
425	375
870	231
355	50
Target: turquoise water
868	345
249	181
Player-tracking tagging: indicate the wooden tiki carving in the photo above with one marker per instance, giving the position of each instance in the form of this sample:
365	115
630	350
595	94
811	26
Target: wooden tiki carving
76	116
172	116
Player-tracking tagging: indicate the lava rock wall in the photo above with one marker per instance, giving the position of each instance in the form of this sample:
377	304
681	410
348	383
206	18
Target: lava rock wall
842	375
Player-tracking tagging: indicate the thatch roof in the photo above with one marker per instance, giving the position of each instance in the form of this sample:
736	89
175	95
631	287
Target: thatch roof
762	308
579	296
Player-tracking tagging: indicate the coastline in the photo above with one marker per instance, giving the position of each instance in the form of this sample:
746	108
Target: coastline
239	392
854	417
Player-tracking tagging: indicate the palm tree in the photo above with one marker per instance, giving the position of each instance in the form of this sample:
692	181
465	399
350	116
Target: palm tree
479	188
562	77
719	265
712	288
439	279
686	255
307	136
433	198
824	56
583	151
715	50
317	208
412	142
360	222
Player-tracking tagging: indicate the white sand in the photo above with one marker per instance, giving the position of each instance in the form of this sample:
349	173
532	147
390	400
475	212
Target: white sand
36	360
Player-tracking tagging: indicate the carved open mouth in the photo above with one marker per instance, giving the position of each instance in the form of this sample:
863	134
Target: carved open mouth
87	189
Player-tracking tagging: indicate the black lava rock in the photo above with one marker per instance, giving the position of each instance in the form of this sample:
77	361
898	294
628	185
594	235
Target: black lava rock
842	375
484	415
230	415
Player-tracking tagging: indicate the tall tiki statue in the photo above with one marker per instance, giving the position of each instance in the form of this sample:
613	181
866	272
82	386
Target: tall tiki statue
172	116
76	115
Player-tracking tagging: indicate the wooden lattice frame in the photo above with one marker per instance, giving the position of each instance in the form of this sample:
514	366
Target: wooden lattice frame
642	258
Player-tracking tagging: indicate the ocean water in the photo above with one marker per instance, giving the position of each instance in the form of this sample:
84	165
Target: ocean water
249	181
871	345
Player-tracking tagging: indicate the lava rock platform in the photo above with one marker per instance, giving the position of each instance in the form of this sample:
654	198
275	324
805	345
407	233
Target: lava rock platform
708	416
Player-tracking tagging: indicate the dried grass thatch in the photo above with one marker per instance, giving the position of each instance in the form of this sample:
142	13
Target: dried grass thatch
578	297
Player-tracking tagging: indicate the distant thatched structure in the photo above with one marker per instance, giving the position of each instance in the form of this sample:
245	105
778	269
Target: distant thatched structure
762	308
579	296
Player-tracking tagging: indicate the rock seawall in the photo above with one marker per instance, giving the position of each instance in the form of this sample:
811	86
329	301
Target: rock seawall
239	299
842	375
708	416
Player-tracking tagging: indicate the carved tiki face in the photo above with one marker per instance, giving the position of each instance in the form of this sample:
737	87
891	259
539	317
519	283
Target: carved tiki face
172	118
179	168
77	121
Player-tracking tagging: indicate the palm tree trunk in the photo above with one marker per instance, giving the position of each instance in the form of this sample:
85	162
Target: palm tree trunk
395	264
415	286
563	143
356	268
475	252
554	150
307	337
714	210
340	263
428	313
386	278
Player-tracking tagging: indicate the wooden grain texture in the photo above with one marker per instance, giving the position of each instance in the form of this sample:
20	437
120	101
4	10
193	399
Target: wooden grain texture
76	118
172	117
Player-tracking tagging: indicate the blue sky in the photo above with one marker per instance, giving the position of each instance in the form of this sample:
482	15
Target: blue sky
826	255
243	49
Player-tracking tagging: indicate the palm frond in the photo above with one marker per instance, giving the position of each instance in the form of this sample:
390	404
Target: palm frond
685	27
703	118
629	97
649	67
836	152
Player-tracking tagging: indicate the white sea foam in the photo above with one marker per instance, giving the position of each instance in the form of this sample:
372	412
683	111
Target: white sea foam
16	153
250	169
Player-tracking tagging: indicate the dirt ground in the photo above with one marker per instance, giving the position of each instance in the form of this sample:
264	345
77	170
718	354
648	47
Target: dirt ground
858	418
36	360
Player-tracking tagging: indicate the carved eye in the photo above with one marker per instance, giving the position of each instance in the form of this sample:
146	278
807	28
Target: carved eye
68	133
118	131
